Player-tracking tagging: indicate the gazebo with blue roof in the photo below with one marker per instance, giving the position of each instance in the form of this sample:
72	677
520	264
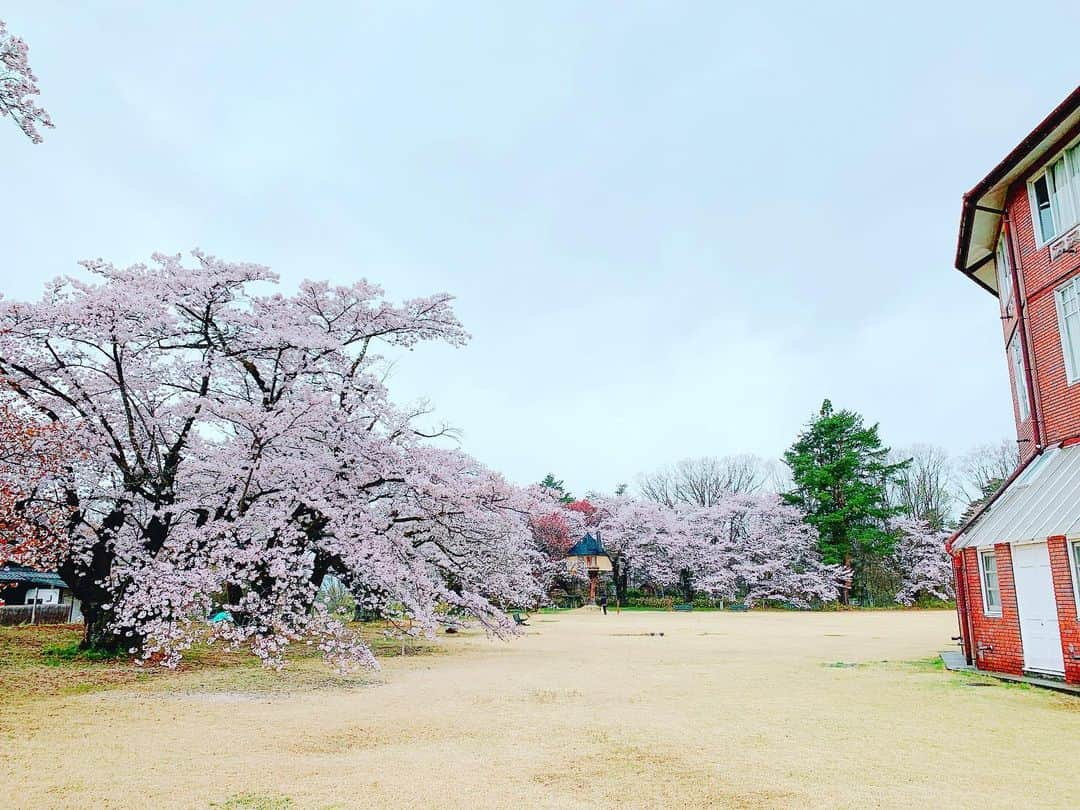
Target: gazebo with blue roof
589	551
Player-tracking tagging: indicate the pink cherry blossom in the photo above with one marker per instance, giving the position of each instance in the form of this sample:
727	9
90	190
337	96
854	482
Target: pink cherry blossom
238	446
924	564
18	86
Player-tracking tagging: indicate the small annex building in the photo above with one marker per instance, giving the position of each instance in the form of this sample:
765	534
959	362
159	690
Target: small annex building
28	596
1017	559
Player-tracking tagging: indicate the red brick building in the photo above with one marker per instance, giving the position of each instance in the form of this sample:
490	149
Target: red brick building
1017	561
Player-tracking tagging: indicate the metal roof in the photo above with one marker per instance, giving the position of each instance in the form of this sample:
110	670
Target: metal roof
1043	501
20	573
587	546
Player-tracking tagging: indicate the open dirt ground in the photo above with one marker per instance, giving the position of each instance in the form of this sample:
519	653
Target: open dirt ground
723	710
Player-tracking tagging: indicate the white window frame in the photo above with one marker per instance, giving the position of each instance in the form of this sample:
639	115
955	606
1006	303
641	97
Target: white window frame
1072	362
984	587
1017	363
1072	194
1073	548
1004	272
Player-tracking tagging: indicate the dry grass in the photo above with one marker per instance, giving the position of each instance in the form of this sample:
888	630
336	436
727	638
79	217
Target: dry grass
729	710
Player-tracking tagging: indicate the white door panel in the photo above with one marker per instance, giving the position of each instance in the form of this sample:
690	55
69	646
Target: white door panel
1039	628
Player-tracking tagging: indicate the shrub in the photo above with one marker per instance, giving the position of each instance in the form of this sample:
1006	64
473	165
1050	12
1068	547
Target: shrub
661	602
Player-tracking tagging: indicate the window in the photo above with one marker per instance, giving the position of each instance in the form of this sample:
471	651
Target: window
1075	548
1055	196
991	593
1016	357
1068	309
1004	272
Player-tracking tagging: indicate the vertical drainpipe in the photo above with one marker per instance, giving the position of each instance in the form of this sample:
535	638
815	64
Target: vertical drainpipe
969	648
1021	327
961	598
963	608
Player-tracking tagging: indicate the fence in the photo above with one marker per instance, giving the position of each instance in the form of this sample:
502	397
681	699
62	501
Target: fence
35	614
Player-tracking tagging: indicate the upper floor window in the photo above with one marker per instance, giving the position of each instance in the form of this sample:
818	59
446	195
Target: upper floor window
1004	272
1068	310
1016	358
990	589
1055	196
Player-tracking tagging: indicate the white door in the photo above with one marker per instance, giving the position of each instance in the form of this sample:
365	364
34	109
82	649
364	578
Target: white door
1039	628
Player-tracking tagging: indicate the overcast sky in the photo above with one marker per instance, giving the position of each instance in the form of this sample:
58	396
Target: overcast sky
672	228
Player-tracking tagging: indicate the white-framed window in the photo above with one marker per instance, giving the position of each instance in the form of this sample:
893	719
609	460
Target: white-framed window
1068	311
1004	273
1016	360
1055	196
990	590
1074	556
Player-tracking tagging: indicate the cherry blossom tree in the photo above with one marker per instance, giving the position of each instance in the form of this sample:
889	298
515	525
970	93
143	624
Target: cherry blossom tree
757	549
18	87
750	547
240	447
922	561
641	539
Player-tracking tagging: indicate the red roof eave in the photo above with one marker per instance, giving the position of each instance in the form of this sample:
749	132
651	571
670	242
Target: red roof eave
1001	171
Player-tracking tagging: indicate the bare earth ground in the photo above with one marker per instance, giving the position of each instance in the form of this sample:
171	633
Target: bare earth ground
723	710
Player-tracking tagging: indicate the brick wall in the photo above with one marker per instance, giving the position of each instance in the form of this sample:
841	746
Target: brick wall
996	641
1061	567
1058	403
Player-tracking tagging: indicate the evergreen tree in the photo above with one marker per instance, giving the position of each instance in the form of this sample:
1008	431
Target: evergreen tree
841	475
551	482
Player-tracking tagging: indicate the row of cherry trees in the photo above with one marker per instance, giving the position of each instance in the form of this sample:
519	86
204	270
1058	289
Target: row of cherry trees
215	442
749	547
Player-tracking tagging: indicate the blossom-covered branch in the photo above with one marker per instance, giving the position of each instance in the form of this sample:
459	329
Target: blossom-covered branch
18	87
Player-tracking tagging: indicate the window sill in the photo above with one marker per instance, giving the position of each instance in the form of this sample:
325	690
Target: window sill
990	615
1042	244
1065	242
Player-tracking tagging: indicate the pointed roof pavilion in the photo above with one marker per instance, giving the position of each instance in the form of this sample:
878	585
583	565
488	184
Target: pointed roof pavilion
587	546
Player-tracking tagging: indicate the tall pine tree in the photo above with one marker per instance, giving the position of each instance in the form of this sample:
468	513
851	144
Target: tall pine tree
841	473
556	484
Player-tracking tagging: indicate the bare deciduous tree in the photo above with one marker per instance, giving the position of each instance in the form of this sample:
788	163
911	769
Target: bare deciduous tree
983	468
706	480
925	488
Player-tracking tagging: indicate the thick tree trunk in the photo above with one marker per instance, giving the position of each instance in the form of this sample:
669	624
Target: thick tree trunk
98	634
83	581
686	585
620	576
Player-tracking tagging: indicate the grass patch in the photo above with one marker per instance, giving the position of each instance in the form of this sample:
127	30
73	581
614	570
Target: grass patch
45	660
932	664
60	654
256	801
